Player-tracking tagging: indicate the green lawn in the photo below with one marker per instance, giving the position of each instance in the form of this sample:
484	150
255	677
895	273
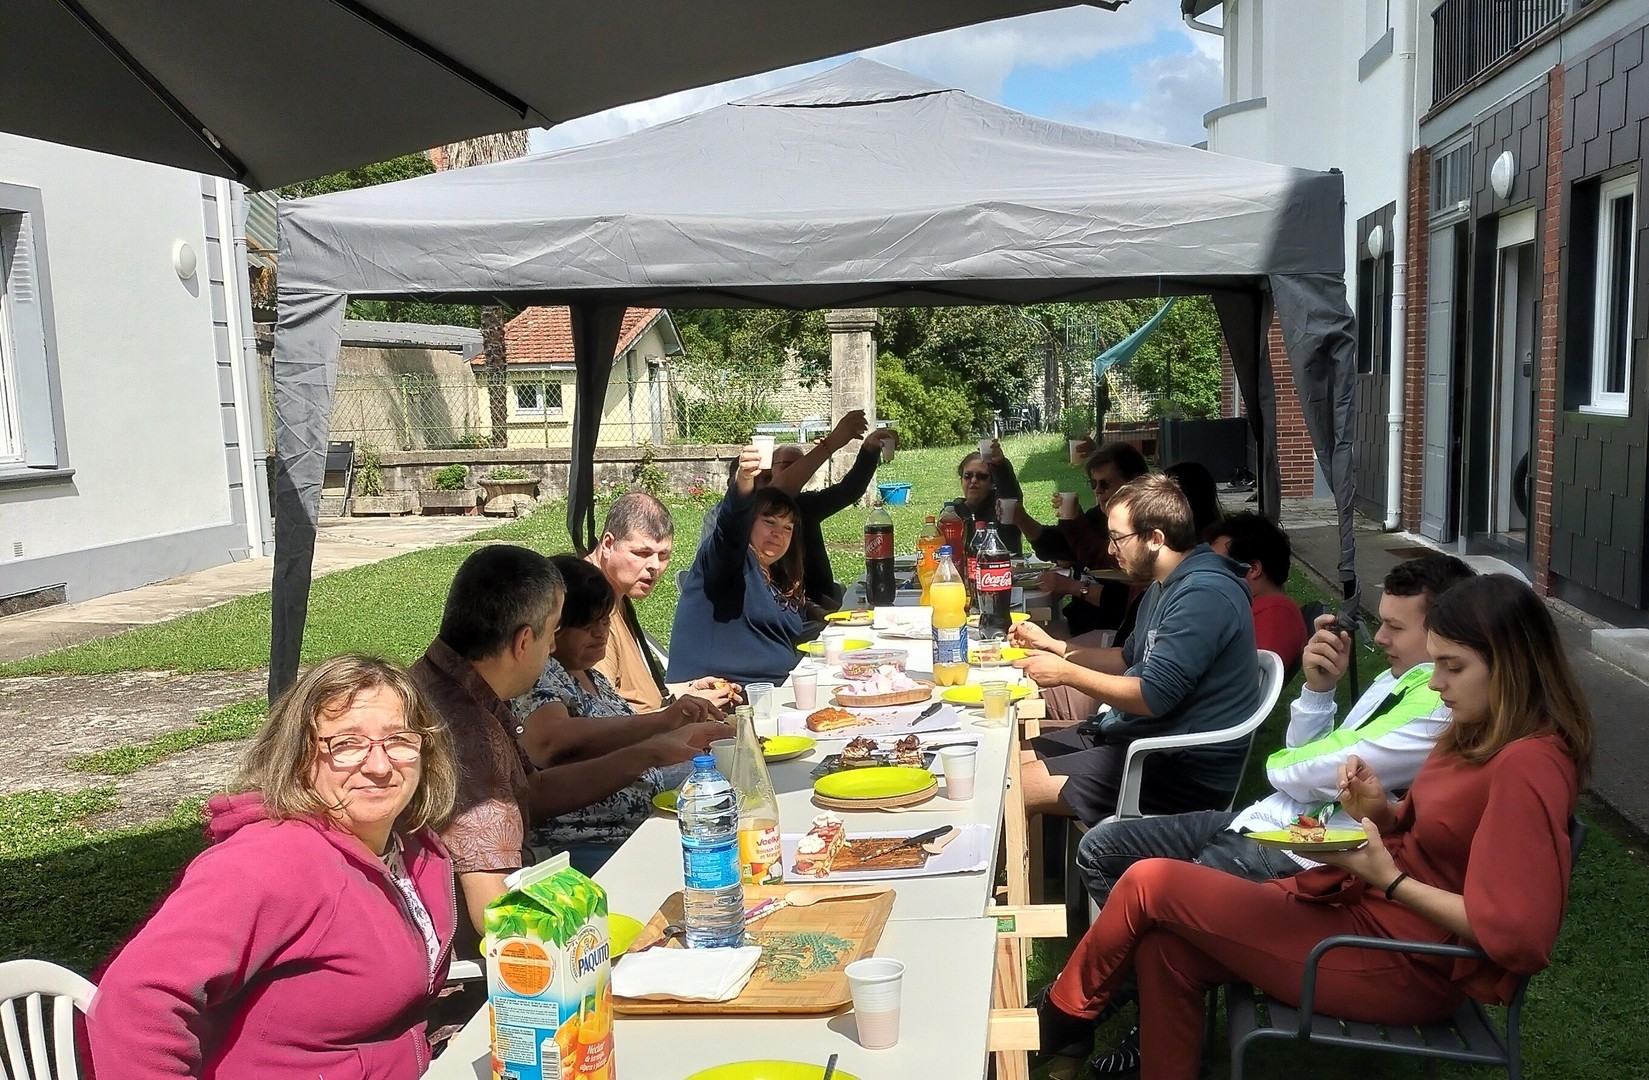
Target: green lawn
71	894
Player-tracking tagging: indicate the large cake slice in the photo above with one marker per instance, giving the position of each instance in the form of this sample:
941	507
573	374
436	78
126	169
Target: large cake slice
816	852
1306	829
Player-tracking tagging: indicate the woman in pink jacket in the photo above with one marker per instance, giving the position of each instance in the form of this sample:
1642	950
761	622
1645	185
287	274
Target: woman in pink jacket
309	938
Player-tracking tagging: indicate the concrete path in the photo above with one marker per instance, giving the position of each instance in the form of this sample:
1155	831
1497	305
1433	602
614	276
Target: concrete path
339	544
1619	698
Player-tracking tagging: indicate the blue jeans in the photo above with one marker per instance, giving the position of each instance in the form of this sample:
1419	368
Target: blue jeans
1201	836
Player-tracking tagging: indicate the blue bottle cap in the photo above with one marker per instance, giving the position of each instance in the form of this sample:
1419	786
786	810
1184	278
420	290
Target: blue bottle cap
704	761
944	549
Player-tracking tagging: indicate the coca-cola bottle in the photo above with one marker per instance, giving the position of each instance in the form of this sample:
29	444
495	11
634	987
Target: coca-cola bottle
971	570
993	578
879	583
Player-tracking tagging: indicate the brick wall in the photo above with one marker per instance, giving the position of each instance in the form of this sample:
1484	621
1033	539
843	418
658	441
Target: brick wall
1295	457
1414	338
1551	248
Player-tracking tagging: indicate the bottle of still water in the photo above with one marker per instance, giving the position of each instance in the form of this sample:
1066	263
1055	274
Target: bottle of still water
707	809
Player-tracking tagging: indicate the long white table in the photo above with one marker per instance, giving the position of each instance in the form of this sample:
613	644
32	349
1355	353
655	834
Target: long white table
937	927
944	1019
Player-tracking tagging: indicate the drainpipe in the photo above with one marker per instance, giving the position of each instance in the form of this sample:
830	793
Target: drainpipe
1188	12
238	305
1408	72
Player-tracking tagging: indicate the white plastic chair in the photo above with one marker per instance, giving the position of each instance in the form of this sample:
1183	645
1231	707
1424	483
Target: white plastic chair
1133	772
25	987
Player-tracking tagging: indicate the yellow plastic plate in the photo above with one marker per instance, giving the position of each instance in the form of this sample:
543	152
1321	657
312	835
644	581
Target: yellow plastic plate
666	801
876	782
785	747
816	648
1010	653
1334	840
974	694
769	1070
622	932
1013	616
859	617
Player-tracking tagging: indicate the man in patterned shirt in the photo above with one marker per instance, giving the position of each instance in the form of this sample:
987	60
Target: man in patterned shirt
497	630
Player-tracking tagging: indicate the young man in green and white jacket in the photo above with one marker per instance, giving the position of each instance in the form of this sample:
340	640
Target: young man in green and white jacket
1392	727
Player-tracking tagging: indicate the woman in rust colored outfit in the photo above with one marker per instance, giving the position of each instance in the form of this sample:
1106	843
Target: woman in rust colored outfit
1478	851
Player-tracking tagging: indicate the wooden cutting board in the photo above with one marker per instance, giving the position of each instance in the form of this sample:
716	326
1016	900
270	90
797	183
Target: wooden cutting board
804	950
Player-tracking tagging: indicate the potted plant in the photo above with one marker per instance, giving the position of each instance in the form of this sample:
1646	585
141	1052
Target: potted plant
451	492
370	498
508	489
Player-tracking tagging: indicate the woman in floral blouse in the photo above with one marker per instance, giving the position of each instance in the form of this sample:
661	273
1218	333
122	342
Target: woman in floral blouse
638	755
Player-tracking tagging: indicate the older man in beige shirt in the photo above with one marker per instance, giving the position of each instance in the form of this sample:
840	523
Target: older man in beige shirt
634	551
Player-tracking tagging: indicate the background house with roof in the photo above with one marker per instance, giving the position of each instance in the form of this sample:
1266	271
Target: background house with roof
540	385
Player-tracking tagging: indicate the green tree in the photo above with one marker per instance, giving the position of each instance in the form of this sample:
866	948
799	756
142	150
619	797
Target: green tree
925	414
990	355
1179	364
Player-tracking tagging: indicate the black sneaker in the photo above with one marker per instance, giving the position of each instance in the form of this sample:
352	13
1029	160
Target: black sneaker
1059	1033
1121	1060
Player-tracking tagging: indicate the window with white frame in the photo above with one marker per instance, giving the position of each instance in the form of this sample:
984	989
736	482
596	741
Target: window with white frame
538	397
1612	296
29	416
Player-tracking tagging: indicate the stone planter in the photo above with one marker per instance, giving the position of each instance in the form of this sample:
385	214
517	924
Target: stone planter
390	503
437	501
494	488
506	498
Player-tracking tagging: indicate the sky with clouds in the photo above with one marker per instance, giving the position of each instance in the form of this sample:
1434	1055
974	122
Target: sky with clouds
1137	71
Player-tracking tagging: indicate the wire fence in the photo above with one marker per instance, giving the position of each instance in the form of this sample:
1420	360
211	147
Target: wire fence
534	410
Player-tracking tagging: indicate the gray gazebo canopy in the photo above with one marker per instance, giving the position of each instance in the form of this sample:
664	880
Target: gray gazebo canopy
861	186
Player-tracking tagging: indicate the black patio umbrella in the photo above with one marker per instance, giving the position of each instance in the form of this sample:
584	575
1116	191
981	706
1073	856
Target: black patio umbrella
271	93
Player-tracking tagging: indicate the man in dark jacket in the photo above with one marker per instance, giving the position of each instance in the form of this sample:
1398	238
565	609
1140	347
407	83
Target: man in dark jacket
1187	667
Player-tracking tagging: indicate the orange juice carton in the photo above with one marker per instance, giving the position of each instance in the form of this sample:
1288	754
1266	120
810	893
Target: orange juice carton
548	985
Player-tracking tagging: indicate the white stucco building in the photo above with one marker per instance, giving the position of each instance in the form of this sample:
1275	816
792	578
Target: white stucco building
131	447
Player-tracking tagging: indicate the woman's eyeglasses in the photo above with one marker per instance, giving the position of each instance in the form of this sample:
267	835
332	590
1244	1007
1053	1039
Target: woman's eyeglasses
349	750
979	476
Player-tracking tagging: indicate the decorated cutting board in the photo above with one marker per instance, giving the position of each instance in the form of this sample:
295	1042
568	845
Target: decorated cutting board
804	950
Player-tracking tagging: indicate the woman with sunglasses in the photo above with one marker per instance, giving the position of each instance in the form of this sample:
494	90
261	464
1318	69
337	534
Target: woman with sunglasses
985	480
310	937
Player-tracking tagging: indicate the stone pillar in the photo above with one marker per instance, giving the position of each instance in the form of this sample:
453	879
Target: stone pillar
852	373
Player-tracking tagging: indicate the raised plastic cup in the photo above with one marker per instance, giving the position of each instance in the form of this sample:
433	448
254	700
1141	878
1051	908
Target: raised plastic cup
961	764
995	695
985	448
1005	509
805	682
876	984
887	450
1074	448
1067	505
722	751
764	447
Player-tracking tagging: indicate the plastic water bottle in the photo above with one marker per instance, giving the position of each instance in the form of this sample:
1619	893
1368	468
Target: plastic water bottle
707	809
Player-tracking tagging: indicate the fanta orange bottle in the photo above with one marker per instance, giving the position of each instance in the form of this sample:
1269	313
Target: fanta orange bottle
927	555
950	622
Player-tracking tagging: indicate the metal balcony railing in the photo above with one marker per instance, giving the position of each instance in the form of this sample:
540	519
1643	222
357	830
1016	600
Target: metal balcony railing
1471	36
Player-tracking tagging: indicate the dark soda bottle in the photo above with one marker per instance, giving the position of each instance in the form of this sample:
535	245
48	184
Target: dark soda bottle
879	583
993	575
971	572
952	528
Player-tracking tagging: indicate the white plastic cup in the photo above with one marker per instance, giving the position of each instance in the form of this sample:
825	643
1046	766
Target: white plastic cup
722	751
805	682
764	447
1073	447
876	984
760	697
995	695
985	449
1005	510
961	764
887	449
833	642
1067	506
